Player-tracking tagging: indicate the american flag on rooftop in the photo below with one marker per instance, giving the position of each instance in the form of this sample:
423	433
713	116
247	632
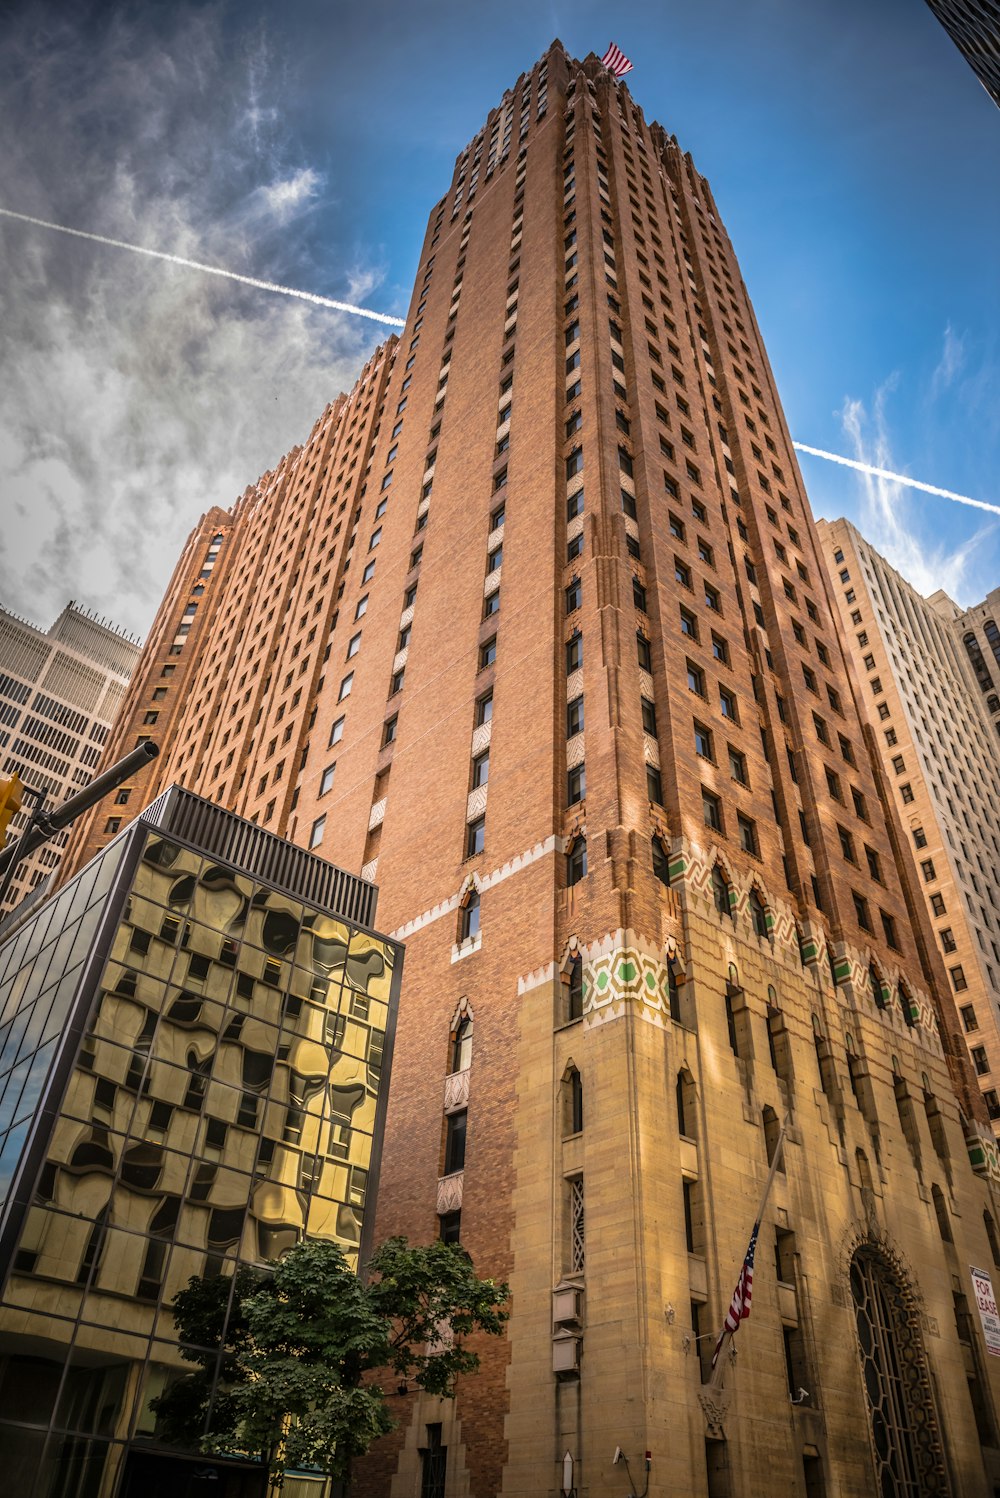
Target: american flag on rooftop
739	1308
616	62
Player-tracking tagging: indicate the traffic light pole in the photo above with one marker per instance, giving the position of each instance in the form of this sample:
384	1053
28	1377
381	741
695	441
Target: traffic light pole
43	825
38	802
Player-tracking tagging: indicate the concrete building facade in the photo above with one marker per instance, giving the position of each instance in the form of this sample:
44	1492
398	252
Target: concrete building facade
195	1044
924	685
60	691
535	630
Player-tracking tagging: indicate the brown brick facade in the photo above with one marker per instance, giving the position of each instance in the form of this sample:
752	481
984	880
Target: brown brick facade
659	579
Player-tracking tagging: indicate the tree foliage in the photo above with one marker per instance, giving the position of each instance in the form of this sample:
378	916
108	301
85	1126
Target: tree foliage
282	1354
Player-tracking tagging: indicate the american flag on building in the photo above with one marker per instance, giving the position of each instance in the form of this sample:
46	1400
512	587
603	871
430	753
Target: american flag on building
739	1308
616	62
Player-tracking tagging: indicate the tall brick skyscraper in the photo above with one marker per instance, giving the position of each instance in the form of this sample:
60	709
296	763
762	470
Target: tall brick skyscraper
535	626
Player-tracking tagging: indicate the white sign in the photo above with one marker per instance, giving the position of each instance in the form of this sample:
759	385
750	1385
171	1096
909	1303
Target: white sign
989	1315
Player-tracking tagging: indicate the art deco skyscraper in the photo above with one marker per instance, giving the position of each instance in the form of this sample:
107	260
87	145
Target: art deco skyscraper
534	630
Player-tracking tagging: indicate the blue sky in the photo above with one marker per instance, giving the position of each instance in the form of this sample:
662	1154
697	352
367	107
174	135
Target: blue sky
852	153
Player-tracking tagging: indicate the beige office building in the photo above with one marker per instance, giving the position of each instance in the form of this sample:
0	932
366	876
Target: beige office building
925	679
59	692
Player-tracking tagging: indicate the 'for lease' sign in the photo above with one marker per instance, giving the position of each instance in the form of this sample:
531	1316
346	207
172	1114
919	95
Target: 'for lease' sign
989	1315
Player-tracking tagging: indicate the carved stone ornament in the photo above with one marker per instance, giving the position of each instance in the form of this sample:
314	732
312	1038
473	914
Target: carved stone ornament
715	1407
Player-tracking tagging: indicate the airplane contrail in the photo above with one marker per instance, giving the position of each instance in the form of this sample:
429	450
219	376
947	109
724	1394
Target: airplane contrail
897	478
398	322
209	270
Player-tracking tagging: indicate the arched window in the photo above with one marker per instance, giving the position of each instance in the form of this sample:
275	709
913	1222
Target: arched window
906	1004
828	1075
685	1099
675	976
720	891
758	913
661	864
800	943
993	636
906	1448
572	1102
778	1045
875	984
936	1129
991	1234
772	1133
468	924
576	861
907	1115
941	1213
979	665
461	1044
575	987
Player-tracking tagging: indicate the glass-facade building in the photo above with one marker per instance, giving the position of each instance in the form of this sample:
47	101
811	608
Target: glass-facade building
195	1039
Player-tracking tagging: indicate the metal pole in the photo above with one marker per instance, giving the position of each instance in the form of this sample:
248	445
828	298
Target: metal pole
38	804
44	825
727	1336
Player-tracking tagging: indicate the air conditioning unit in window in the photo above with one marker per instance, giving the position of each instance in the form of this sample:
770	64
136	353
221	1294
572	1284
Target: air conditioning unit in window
567	1347
567	1304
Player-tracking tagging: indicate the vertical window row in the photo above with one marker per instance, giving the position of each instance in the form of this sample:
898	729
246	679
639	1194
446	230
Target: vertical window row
456	1111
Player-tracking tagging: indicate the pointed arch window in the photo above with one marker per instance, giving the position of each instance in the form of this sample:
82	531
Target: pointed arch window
875	983
720	891
468	923
575	987
991	1234
758	913
906	1004
941	1213
661	863
572	1102
461	1044
772	1133
673	989
800	943
685	1099
576	861
907	1115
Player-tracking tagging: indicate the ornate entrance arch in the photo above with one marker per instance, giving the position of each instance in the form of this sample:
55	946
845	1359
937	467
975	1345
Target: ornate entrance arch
906	1446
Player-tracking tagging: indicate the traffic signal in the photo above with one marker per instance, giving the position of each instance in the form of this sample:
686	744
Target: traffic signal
11	796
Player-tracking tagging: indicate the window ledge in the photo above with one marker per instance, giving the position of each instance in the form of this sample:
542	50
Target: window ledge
467	947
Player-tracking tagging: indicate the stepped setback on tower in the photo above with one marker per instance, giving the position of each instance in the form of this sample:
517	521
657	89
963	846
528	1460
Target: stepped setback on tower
534	629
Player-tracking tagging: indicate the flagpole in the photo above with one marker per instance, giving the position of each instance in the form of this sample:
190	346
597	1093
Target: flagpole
716	1379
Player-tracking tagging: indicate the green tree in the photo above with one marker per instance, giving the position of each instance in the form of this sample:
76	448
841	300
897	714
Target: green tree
282	1354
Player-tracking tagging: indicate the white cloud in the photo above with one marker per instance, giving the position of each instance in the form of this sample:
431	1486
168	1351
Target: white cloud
951	362
887	517
135	394
283	198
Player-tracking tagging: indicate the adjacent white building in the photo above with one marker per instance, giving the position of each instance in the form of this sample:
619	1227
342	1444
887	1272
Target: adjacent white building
928	679
59	692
